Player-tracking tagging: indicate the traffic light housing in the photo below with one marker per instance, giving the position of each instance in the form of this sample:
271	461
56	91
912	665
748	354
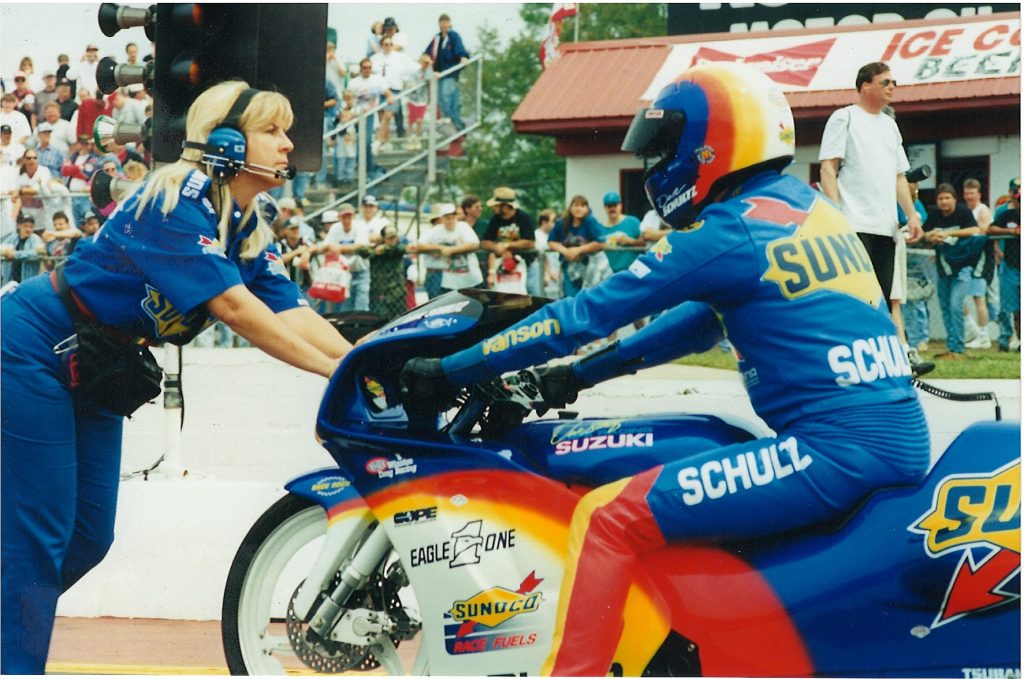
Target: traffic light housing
271	46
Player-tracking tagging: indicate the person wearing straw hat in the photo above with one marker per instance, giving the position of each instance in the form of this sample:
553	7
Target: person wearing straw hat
511	229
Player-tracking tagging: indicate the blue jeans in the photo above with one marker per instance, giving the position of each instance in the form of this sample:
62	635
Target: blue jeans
952	294
432	282
448	99
915	313
59	478
79	206
300	184
915	321
1009	301
344	167
534	281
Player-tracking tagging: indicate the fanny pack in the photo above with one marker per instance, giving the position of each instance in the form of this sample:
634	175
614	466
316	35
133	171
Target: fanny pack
114	372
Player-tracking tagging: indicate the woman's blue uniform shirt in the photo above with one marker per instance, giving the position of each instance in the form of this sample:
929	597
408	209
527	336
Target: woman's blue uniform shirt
150	277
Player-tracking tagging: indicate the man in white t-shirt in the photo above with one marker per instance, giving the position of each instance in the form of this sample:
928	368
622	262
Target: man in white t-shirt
10	153
862	170
456	243
16	120
371	220
344	236
368	87
395	67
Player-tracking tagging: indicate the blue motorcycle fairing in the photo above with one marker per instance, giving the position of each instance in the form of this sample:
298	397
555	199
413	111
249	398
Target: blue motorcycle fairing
327	487
365	389
875	582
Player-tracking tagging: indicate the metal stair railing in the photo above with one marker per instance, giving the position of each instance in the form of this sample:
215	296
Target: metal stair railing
434	140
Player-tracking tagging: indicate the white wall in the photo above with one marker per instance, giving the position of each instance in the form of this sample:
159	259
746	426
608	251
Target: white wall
593	176
1005	158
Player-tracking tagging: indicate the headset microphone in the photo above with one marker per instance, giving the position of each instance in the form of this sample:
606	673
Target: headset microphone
269	171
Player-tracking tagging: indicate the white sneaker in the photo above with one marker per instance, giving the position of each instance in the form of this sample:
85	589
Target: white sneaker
979	342
1014	344
971	331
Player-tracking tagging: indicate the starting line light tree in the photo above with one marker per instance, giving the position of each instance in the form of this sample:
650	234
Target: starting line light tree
271	46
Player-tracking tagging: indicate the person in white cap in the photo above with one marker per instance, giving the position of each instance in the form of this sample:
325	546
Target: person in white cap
288	208
371	219
50	157
455	242
344	236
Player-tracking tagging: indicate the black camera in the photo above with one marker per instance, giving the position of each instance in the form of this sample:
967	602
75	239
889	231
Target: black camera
918	174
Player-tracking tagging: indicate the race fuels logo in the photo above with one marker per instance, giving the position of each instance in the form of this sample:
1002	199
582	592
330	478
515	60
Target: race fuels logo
790	66
978	515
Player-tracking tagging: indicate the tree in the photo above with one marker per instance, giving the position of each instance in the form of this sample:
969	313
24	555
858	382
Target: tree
497	155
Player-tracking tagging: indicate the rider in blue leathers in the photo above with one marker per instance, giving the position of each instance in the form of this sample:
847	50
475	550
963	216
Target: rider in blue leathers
758	257
191	246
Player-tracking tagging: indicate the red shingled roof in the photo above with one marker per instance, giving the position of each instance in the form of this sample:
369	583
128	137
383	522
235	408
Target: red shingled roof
597	86
593	84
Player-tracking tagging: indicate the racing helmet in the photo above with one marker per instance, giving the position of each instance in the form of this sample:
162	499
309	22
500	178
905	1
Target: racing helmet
714	126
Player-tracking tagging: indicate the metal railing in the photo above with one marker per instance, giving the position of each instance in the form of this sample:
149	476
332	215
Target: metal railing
435	139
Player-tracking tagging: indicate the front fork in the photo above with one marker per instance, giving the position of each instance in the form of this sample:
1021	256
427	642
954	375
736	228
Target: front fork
354	576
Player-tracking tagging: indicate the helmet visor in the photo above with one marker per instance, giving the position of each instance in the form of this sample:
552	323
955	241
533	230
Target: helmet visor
654	133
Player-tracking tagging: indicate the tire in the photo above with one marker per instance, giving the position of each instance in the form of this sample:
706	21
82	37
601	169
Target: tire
284	529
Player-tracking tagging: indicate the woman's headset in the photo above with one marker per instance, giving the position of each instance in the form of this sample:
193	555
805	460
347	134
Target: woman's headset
225	148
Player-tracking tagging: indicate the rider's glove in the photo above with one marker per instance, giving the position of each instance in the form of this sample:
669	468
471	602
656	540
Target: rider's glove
558	385
423	379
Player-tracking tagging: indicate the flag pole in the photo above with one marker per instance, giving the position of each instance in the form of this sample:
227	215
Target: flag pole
576	23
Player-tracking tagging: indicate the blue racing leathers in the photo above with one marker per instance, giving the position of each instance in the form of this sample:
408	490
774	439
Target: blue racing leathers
147	278
776	268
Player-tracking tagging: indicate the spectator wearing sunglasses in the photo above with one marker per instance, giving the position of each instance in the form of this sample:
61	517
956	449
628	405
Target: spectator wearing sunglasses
863	168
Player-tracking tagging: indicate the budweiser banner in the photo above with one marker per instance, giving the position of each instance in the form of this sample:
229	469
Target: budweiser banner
950	52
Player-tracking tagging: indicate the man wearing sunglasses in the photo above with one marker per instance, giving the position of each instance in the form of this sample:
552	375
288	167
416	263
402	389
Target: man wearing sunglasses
863	168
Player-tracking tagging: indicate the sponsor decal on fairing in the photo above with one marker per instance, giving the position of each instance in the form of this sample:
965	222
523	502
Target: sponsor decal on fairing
465	548
503	612
978	517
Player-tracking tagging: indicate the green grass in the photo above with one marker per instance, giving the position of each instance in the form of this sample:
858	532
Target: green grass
977	364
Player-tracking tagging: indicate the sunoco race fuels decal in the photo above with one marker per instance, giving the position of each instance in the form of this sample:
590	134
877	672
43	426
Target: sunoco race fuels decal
504	613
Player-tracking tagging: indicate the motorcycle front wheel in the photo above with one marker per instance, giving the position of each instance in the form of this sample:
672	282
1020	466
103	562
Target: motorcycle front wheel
261	631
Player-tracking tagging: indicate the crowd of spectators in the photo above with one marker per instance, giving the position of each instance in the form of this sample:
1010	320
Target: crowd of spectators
393	79
48	156
48	160
508	251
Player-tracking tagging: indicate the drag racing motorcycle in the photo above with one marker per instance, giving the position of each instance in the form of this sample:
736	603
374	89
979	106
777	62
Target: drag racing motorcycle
445	529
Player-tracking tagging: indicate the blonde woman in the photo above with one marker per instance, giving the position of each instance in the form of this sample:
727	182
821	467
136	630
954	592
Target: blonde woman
190	246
